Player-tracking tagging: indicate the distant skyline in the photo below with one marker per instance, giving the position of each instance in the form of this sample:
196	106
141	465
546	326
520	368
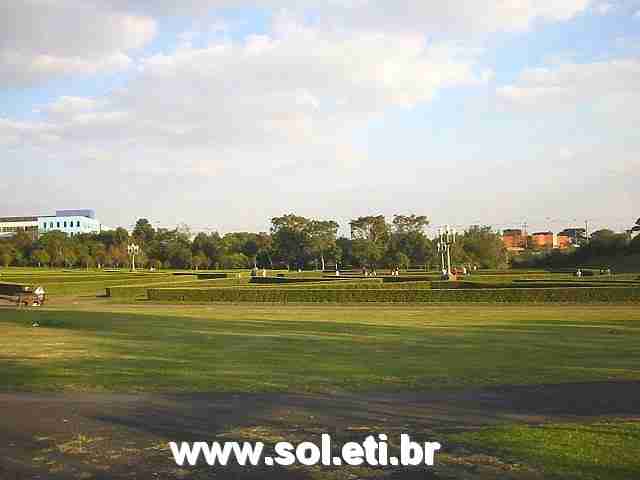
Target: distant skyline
223	114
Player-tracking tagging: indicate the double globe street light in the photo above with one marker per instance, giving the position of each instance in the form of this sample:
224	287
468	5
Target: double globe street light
446	238
133	250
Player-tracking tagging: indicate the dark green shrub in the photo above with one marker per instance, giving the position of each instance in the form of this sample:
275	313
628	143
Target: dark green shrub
502	295
211	276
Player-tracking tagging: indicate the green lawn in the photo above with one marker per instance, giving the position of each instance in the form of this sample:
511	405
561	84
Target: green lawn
101	346
97	345
602	450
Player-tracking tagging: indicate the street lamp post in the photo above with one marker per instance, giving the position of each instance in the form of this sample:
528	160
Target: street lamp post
133	250
441	251
446	238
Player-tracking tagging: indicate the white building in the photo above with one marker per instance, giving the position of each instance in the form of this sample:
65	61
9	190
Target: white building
9	226
71	222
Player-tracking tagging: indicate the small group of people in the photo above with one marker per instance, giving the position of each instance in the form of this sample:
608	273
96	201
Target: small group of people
255	271
368	273
395	272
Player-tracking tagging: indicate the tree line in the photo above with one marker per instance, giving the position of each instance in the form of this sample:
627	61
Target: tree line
602	245
293	242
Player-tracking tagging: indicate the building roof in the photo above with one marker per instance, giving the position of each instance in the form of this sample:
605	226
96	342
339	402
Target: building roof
18	219
76	213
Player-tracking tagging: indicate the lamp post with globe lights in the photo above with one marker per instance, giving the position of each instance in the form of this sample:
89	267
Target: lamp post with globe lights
446	238
133	250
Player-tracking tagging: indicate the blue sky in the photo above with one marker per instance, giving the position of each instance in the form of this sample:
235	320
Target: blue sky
222	114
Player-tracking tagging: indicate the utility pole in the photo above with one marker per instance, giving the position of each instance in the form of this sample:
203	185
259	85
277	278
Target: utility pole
524	233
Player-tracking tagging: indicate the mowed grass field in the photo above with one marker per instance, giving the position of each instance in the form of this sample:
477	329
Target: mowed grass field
87	344
314	348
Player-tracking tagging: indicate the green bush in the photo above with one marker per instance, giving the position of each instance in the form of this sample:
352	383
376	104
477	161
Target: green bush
131	292
410	278
211	276
464	284
506	295
278	279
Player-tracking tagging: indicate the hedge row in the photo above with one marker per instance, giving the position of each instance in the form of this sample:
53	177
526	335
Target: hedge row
545	281
130	292
509	295
279	280
463	284
363	284
211	276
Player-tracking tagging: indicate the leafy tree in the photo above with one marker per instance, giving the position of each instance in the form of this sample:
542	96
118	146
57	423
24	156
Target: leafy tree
55	244
7	254
180	255
322	238
408	241
144	231
409	224
200	260
402	261
366	252
605	242
371	228
40	257
480	245
121	236
234	260
370	237
290	239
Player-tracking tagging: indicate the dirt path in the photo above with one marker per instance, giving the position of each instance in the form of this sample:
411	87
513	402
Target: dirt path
111	436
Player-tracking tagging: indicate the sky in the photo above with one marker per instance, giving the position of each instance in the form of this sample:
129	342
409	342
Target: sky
222	114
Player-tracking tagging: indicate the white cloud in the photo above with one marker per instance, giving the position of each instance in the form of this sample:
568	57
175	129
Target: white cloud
43	39
68	105
19	69
462	15
280	100
40	40
611	87
414	15
603	8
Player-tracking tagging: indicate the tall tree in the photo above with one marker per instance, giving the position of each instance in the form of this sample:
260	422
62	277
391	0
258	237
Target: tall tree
291	241
409	224
370	237
144	231
322	237
372	228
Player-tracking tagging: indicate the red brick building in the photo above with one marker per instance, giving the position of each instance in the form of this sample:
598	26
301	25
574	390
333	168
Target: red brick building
542	240
564	241
513	239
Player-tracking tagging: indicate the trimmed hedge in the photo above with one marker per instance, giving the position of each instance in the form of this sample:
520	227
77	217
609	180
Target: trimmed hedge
412	278
360	284
601	281
131	292
506	295
363	283
211	276
464	284
272	280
